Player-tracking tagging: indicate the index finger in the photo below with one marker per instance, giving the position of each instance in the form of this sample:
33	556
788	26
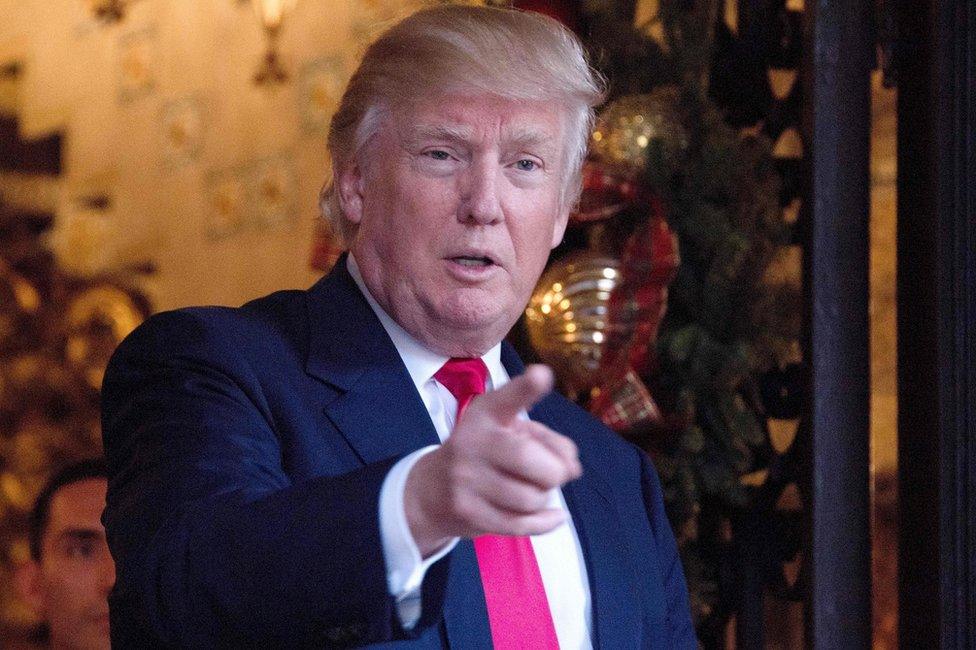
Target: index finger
519	394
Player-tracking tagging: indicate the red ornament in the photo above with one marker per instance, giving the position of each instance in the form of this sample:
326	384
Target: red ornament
604	195
625	404
326	247
637	303
564	11
648	265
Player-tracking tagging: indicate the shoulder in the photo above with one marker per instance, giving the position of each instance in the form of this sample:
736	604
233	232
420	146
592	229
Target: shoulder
280	316
252	347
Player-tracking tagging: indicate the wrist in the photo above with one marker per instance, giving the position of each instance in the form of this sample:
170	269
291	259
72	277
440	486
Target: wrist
419	504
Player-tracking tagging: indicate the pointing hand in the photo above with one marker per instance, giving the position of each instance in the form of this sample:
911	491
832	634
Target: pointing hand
494	473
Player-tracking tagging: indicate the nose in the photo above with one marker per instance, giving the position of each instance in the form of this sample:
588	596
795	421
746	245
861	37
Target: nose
481	202
106	571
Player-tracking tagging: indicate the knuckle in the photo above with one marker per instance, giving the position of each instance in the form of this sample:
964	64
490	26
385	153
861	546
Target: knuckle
520	527
533	499
523	501
541	499
570	446
524	456
463	507
455	475
463	473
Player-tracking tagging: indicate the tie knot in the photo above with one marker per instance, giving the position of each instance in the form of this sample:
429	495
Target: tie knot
464	378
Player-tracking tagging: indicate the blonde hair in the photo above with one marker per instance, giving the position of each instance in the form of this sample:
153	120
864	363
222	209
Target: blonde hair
461	49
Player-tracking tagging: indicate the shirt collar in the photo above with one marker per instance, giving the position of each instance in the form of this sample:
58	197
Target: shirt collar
421	362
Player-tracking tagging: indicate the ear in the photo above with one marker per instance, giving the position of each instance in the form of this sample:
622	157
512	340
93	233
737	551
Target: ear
349	187
27	577
559	227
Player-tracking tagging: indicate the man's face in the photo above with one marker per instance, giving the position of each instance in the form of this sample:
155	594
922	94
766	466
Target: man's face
69	586
458	203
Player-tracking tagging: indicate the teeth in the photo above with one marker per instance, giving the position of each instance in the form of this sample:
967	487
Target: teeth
473	261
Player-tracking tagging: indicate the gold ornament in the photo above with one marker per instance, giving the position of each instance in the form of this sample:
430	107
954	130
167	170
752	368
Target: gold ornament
98	319
567	317
37	382
19	301
628	127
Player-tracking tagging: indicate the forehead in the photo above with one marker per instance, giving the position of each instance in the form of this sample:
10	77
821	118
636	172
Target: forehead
482	118
77	505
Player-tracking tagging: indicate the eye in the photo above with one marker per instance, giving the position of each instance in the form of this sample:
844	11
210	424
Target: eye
526	165
438	154
81	550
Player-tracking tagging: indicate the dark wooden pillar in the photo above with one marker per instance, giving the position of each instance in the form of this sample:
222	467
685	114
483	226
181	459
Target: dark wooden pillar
937	323
918	354
842	58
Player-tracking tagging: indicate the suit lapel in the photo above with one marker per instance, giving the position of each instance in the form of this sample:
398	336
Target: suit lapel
350	350
616	617
616	621
376	407
465	611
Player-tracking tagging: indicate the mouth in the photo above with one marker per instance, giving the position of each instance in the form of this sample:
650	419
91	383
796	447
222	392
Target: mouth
473	261
473	266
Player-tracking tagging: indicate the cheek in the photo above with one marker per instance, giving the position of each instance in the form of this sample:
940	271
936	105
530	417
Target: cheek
60	593
412	210
533	242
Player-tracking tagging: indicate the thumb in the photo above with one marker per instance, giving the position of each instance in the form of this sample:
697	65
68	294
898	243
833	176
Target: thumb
519	394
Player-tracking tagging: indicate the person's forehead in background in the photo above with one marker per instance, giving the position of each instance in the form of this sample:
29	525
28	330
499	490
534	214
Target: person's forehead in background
75	514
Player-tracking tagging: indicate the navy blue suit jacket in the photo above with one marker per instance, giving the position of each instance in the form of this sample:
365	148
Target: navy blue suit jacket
246	450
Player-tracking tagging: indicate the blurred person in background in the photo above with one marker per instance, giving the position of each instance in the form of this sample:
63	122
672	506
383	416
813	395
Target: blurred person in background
70	572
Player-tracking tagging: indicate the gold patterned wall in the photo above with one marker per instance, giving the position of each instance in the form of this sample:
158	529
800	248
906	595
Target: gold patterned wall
172	155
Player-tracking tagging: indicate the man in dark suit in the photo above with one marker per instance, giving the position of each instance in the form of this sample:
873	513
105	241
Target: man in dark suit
366	462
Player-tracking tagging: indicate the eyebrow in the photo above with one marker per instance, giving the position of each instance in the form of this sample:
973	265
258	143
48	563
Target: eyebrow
81	535
519	137
424	132
528	137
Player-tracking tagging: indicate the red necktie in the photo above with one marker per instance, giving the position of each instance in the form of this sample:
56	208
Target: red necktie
518	611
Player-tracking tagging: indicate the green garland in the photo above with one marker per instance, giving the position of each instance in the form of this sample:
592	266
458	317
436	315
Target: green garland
725	324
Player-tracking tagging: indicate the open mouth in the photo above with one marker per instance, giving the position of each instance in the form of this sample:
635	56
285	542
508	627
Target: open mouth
473	261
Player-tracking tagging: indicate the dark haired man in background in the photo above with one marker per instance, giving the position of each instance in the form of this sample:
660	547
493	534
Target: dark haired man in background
70	573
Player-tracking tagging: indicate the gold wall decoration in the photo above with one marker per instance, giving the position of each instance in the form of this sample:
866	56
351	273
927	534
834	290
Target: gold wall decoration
226	203
320	84
256	196
272	14
137	57
273	186
182	129
108	11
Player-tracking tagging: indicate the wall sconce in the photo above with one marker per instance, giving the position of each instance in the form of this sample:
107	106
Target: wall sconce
272	14
108	11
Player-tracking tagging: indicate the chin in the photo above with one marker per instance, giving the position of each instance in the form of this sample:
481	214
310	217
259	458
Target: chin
480	311
473	326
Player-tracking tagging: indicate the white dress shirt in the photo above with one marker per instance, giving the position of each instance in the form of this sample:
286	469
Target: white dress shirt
557	552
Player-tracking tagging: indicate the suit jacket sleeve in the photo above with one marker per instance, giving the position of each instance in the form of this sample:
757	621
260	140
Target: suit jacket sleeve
212	539
678	610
